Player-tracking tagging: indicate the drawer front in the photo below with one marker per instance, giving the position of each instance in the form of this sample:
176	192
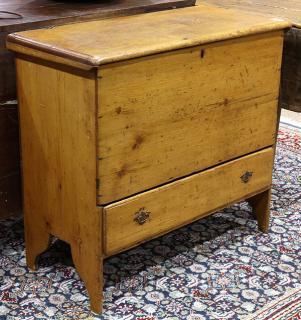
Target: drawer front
166	116
144	216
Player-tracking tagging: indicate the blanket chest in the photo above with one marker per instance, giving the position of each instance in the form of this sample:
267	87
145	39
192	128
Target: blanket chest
134	126
21	15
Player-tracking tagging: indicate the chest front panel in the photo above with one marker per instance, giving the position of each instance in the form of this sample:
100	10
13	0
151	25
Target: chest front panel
166	116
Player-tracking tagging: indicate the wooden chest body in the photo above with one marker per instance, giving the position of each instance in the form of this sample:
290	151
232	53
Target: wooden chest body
133	134
291	65
34	15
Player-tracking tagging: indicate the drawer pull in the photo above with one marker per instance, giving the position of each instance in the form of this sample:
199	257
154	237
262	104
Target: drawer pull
246	176
141	216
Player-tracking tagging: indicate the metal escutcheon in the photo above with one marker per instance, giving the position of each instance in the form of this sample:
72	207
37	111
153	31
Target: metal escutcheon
141	216
246	176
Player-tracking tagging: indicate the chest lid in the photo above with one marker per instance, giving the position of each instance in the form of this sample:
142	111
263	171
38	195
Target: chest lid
91	44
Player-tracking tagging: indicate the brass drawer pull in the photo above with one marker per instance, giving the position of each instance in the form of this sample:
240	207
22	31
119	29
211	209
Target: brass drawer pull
141	216
246	176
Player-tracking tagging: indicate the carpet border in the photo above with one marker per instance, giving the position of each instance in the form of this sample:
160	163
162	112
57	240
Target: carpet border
271	304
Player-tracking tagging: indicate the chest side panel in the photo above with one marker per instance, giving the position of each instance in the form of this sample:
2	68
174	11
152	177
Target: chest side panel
57	119
166	116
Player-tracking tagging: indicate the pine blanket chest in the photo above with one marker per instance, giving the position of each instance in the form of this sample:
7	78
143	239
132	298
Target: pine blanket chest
134	126
21	15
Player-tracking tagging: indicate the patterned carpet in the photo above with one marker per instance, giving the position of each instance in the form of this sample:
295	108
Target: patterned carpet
218	268
288	307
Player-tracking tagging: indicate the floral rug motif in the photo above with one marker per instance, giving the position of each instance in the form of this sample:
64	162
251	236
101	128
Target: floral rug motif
218	268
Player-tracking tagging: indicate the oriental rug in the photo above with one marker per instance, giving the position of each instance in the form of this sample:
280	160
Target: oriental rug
220	267
287	307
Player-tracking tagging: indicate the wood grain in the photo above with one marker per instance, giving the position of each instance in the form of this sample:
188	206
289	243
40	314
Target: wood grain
261	208
183	201
291	67
58	127
131	37
90	127
165	116
47	13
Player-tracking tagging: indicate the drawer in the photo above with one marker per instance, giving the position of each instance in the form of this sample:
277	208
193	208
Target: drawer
166	116
149	214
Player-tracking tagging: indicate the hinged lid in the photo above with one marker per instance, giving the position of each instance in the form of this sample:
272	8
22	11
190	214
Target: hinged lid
90	44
